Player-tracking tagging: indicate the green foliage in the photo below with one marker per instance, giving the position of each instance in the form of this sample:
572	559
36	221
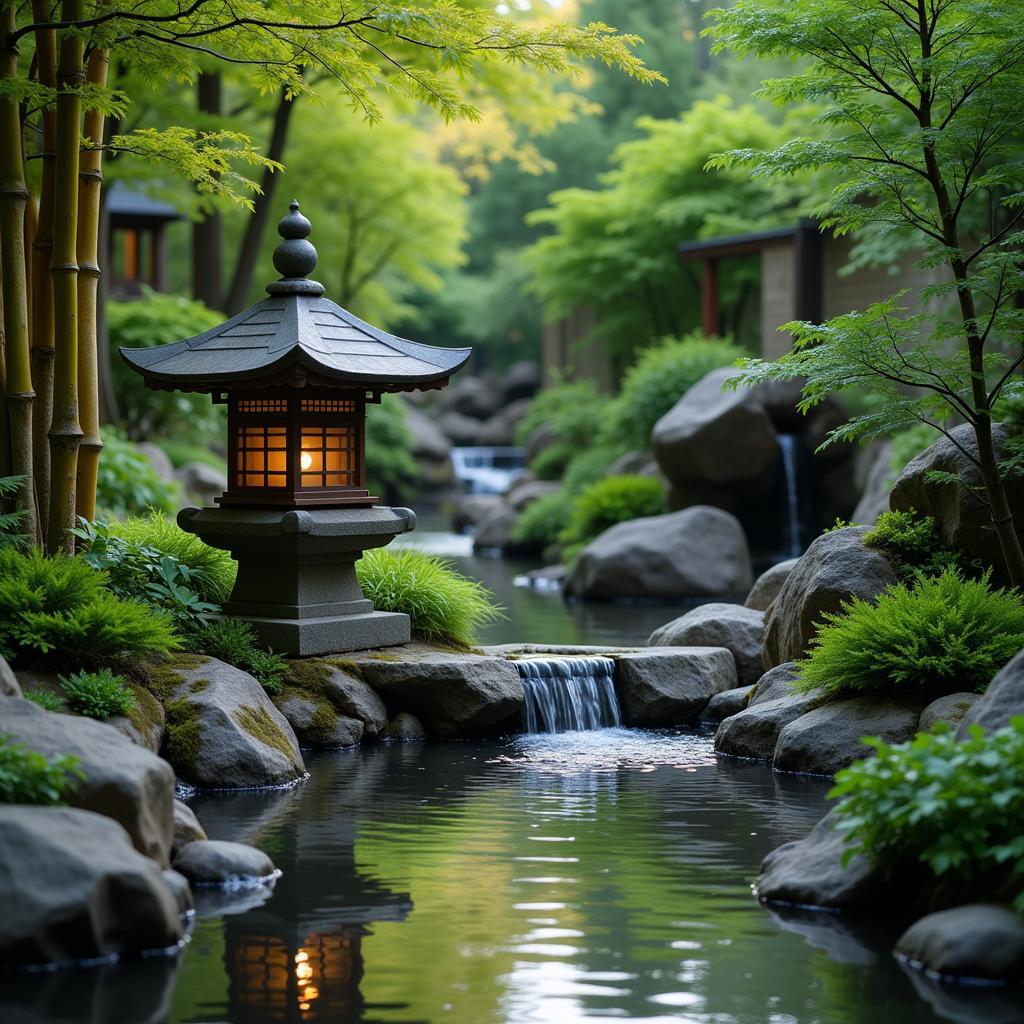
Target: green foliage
936	635
913	544
127	483
539	526
907	445
181	451
144	572
589	466
661	375
28	777
389	460
58	611
98	694
234	641
158	319
46	699
443	605
954	808
10	522
615	499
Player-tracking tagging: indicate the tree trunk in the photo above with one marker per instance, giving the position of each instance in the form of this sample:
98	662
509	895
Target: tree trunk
208	231
90	178
14	196
65	430
42	286
249	252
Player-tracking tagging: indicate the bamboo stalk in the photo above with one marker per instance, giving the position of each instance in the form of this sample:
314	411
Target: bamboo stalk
65	431
14	196
42	286
90	185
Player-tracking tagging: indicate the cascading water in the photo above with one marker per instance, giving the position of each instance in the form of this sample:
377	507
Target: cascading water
486	469
569	694
789	445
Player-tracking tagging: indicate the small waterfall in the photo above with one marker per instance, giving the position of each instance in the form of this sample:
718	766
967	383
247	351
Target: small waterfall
487	469
569	694
789	445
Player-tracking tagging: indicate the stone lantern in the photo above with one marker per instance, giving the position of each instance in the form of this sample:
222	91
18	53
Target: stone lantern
296	372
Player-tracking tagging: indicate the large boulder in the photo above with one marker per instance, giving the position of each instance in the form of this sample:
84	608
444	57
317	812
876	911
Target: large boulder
697	551
145	723
157	458
459	429
672	686
471	396
767	586
963	524
829	737
186	826
216	862
223	731
732	626
528	491
981	941
835	568
711	436
9	685
75	889
452	694
874	498
1003	700
810	873
121	780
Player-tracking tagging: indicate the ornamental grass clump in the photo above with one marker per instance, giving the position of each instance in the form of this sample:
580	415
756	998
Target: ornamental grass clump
929	637
443	605
954	808
28	777
97	694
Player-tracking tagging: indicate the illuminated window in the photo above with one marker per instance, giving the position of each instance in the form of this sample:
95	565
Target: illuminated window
336	405
329	457
263	405
261	456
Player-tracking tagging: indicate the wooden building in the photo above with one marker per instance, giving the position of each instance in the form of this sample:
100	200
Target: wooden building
135	241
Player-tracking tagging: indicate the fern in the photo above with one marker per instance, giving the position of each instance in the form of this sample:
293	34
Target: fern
11	522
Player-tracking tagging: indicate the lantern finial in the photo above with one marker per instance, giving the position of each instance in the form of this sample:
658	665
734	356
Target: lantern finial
295	257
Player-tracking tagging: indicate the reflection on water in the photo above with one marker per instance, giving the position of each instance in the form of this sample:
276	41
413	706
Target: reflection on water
558	878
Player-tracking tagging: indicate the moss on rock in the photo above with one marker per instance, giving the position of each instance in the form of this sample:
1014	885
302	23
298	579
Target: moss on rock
184	736
199	685
166	677
310	675
258	724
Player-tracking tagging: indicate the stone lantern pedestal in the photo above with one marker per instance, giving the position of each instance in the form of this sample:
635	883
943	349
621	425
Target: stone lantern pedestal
296	580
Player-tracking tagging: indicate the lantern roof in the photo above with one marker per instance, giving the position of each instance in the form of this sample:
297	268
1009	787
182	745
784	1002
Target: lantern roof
296	336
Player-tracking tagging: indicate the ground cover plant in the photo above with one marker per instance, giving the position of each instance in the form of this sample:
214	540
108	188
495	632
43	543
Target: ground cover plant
952	809
127	483
443	605
28	777
11	521
913	544
931	636
97	694
235	641
539	526
46	699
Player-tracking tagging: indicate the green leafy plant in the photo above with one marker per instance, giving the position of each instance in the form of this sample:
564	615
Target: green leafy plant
28	777
389	458
539	526
235	641
661	375
58	611
46	699
934	635
97	694
589	466
953	808
443	605
615	499
127	483
10	522
912	544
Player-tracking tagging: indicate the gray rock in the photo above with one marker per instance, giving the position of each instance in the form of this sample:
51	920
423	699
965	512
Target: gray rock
540	440
695	552
471	509
634	464
775	683
950	709
712	436
216	862
145	723
158	459
521	380
495	530
810	873
225	733
316	722
1003	699
522	494
459	429
472	396
186	826
500	429
981	941
874	499
754	731
828	738
9	685
404	728
202	481
74	889
727	703
736	628
122	781
962	524
428	439
180	890
673	685
452	694
767	586
356	699
836	567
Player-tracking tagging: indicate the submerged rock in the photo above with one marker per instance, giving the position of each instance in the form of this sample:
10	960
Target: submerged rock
1002	701
738	629
216	862
835	568
672	686
223	731
74	888
767	586
728	702
404	728
982	941
700	550
121	780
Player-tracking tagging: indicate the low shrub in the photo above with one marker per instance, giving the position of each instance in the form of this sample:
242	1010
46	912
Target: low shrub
28	777
954	808
97	694
934	635
615	499
10	522
539	526
443	605
58	612
235	641
661	375
913	544
587	467
127	483
46	699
